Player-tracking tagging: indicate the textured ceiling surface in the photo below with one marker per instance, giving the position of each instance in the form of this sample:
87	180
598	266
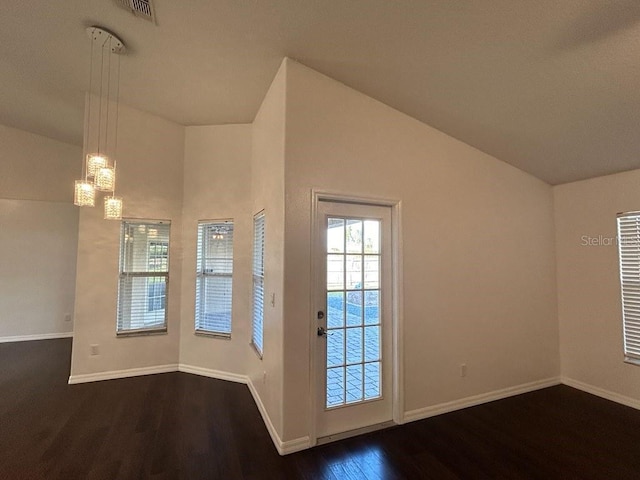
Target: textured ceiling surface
550	87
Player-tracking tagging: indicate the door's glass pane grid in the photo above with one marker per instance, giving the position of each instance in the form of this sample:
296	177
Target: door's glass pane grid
372	344
363	382
353	311
335	348
354	308
372	307
335	309
335	235
355	351
354	271
335	386
372	271
371	236
372	380
353	236
335	272
354	383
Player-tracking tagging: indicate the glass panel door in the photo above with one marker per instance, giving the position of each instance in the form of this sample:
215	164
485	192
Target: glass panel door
354	368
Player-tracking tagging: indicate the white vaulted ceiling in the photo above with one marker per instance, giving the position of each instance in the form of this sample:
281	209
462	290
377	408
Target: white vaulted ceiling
549	86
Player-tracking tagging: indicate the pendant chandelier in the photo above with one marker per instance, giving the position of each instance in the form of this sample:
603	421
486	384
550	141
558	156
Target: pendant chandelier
101	136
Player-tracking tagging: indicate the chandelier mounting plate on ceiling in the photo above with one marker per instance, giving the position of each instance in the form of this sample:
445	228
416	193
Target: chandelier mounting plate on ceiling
96	33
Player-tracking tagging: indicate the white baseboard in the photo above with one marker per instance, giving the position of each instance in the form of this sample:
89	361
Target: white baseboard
265	416
295	445
38	336
131	372
601	392
134	372
461	403
283	448
208	372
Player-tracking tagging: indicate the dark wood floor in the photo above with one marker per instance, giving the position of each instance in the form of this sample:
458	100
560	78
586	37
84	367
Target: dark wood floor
178	425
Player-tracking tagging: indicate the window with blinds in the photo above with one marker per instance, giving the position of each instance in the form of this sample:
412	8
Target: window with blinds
258	281
144	276
214	278
629	257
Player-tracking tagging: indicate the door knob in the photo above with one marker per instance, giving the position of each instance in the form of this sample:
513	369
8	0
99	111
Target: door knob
322	332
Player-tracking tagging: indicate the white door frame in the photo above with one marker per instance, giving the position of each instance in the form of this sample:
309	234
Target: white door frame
396	299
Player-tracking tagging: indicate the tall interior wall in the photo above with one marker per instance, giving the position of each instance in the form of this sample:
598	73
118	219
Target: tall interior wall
479	280
267	185
217	186
38	235
150	179
589	301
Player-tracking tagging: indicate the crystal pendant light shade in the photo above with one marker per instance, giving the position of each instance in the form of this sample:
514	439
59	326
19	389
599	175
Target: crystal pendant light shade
96	162
84	194
113	208
105	179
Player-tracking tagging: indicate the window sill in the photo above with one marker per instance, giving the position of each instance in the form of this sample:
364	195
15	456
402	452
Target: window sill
632	361
142	333
255	349
204	333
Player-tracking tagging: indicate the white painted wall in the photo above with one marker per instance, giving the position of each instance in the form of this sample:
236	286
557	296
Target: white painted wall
479	266
267	186
150	179
33	167
217	185
589	308
37	267
38	233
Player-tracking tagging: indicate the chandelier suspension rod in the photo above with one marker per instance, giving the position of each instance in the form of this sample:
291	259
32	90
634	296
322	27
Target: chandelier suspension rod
100	97
87	142
115	143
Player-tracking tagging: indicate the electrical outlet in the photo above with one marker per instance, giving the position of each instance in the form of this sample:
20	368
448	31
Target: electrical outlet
273	299
264	377
67	317
95	349
463	369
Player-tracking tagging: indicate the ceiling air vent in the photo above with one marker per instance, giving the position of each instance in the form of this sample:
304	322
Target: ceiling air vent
140	8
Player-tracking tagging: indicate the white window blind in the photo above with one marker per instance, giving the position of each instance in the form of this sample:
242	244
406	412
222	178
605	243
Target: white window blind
144	276
214	278
629	256
258	281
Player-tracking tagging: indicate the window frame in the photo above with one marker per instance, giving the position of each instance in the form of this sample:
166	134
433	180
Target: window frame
628	240
202	275
148	273
258	279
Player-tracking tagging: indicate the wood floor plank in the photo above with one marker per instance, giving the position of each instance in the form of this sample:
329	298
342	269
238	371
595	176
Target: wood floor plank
182	426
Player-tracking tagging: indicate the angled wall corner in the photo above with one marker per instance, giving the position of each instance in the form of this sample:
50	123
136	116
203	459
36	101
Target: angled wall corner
186	174
267	187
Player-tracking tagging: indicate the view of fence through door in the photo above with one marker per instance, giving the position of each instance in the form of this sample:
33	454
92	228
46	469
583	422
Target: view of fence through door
354	317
